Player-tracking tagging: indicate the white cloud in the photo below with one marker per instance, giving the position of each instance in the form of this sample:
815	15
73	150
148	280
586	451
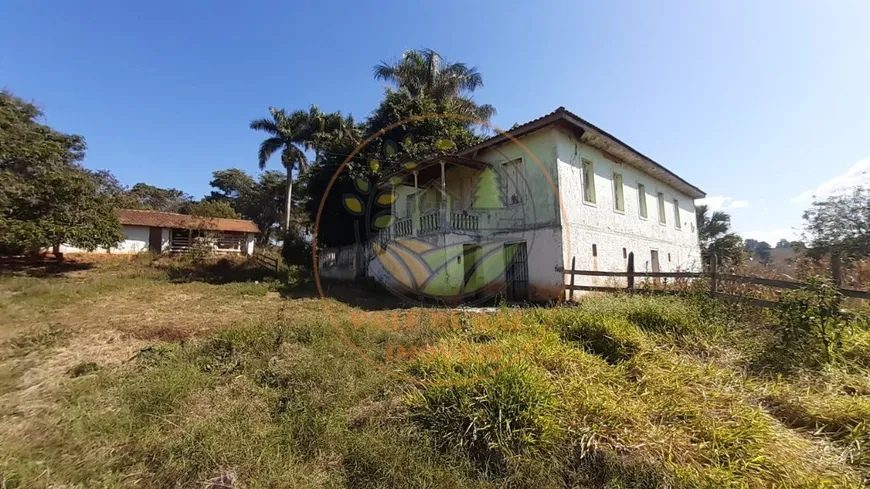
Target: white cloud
720	203
857	175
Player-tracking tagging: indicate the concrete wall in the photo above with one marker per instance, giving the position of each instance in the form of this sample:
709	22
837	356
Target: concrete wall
135	241
616	233
250	239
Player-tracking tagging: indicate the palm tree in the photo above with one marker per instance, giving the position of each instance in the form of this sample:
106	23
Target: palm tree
715	236
425	73
295	133
289	134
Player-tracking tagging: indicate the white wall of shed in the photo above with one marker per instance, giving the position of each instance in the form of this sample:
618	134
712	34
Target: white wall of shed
135	241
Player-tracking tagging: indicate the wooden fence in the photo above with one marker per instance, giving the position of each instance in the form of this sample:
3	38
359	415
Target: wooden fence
716	278
266	261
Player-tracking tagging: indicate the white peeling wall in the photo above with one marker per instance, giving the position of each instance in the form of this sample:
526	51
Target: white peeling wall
544	248
136	241
249	244
612	231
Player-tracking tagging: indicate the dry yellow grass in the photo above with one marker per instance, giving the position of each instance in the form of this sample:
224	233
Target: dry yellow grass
141	373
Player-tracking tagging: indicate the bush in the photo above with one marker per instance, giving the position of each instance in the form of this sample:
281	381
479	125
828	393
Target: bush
492	419
812	323
614	338
296	250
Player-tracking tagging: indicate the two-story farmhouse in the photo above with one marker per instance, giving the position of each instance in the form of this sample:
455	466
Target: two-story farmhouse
509	214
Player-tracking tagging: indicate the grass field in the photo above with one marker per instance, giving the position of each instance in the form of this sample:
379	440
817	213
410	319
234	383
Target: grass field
141	373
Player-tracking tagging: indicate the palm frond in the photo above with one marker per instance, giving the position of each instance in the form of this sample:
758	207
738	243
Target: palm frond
265	125
267	149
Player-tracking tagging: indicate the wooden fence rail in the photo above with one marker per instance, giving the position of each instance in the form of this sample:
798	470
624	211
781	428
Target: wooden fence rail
713	274
269	262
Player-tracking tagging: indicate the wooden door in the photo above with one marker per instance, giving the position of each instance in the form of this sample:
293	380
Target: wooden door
155	240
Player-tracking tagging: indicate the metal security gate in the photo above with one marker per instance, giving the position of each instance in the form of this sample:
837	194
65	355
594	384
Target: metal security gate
516	271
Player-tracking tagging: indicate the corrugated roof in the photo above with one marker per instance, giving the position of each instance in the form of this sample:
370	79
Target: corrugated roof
133	217
641	161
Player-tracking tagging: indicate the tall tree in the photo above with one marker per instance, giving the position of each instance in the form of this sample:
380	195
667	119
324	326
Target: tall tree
840	224
259	200
212	208
295	133
291	135
144	196
762	251
715	236
783	243
424	72
46	197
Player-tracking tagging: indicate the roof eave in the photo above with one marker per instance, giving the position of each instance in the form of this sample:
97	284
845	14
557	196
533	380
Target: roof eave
583	127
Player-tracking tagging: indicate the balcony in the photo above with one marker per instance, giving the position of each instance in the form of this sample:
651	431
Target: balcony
431	222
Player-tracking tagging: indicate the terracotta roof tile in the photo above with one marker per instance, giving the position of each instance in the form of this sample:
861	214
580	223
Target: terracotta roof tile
131	217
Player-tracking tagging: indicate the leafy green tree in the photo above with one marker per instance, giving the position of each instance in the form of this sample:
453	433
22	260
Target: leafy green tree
414	140
212	208
424	73
782	244
749	245
840	224
260	200
46	197
715	236
798	246
762	251
149	197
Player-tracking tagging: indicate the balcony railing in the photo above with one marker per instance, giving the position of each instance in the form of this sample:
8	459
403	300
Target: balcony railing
403	227
430	222
464	222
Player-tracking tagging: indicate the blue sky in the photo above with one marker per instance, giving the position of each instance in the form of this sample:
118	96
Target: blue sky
760	104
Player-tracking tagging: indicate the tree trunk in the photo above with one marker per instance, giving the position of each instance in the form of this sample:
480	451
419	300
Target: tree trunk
55	250
289	200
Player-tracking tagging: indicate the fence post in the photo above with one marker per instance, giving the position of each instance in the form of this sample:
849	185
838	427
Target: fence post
837	269
714	274
571	290
631	271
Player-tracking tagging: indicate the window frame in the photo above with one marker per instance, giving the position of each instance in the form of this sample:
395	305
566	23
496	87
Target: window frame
677	215
521	197
663	215
642	208
618	193
588	182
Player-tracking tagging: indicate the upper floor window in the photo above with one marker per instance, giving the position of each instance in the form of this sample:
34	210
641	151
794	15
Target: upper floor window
588	182
662	218
677	222
515	182
618	196
641	200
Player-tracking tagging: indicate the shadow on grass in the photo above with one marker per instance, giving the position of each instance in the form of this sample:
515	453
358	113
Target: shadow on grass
39	267
220	271
368	296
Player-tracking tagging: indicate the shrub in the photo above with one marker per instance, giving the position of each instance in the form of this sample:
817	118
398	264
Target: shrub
614	338
496	417
812	323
